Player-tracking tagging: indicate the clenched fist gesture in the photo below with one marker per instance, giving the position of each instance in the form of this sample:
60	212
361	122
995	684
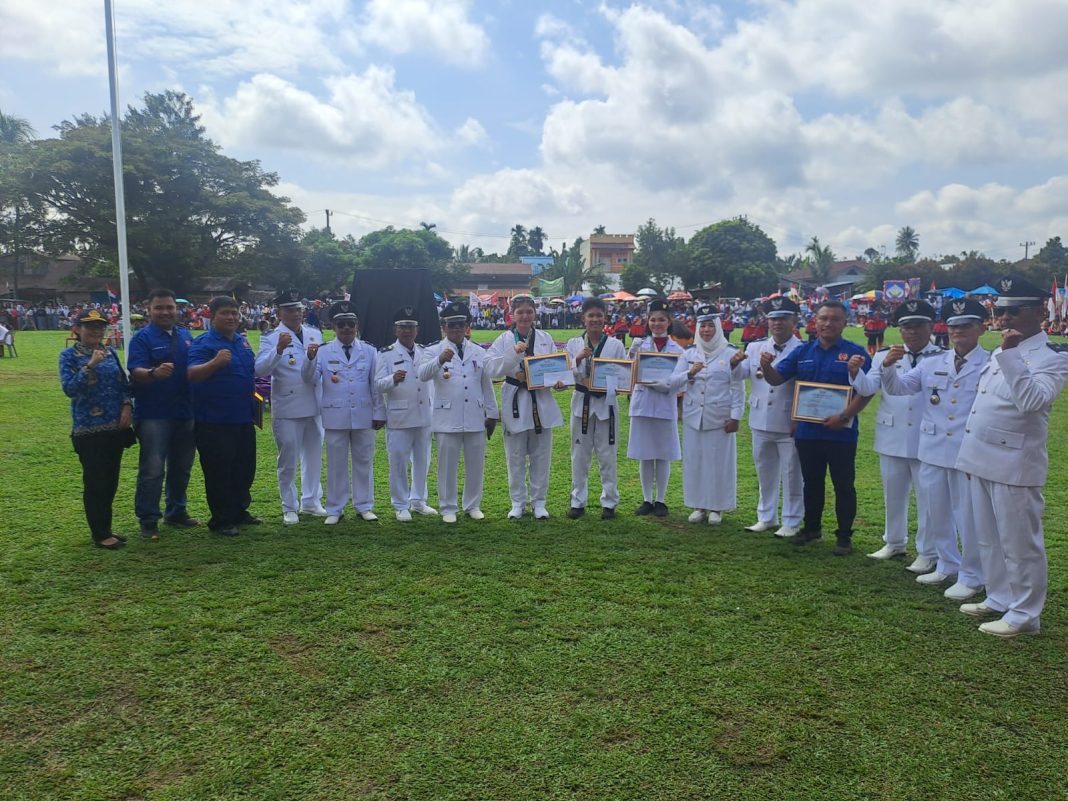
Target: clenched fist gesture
446	355
285	339
893	356
854	365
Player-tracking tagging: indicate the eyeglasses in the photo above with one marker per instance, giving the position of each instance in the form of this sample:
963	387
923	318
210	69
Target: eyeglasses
1009	311
456	324
344	325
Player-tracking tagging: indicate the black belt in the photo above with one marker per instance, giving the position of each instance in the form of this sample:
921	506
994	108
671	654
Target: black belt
515	382
586	413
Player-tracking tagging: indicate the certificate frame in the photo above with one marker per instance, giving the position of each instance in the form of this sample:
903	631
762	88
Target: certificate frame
814	402
620	368
535	367
647	366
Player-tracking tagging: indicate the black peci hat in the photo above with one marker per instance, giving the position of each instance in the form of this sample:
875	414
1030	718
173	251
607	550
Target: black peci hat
289	298
779	307
406	315
343	310
455	310
914	311
1014	290
964	310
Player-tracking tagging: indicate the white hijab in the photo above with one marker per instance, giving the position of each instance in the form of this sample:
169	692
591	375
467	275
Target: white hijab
711	349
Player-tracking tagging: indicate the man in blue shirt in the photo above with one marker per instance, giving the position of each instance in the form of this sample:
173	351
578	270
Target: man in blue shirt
222	372
163	415
832	443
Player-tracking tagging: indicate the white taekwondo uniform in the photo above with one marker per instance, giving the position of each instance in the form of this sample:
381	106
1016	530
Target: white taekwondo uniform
408	411
462	403
594	426
1004	452
523	413
949	506
350	404
294	416
774	454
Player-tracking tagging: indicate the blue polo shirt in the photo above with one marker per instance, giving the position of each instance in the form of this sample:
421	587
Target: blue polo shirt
166	398
226	397
811	362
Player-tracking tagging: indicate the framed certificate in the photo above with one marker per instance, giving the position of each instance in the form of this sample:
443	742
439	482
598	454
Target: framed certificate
544	371
814	402
621	371
652	367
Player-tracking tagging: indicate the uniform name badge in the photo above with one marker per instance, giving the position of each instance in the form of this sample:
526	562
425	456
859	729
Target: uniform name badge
815	402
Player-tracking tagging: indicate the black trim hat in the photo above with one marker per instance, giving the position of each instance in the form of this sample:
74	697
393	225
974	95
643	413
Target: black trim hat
779	307
90	316
289	298
914	311
522	297
658	304
405	316
963	310
1013	290
343	310
705	313
455	310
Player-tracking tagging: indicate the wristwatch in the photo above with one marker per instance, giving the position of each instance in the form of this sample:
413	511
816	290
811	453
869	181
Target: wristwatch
152	372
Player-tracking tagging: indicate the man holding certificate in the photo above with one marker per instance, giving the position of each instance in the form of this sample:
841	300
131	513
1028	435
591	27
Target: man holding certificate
824	442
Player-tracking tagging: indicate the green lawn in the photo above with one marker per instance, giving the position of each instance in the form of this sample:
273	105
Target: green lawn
634	659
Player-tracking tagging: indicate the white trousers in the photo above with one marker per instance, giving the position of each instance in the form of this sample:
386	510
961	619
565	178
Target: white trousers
1008	527
359	443
583	447
949	516
776	462
473	446
899	475
709	469
521	449
408	447
299	439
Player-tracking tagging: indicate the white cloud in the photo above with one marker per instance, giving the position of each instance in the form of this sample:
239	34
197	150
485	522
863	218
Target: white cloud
440	27
509	195
471	133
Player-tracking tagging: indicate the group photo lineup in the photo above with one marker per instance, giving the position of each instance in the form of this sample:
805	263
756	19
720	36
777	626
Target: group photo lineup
443	399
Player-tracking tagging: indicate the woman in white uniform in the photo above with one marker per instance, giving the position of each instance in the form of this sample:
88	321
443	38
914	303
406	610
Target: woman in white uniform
654	430
711	411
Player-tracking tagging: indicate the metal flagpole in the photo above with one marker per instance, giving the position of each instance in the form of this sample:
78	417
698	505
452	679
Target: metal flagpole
116	164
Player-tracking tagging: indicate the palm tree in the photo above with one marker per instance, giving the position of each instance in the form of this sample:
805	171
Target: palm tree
15	130
428	226
518	246
822	259
599	229
908	243
536	239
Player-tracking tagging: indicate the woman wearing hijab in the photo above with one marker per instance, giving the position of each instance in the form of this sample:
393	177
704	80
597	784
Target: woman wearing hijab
102	412
711	410
654	431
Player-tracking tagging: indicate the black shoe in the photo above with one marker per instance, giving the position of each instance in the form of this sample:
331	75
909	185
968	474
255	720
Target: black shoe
227	531
660	509
608	513
249	520
806	535
112	547
843	548
149	531
575	512
645	509
119	537
182	522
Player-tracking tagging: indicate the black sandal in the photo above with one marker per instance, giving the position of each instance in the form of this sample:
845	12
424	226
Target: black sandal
119	543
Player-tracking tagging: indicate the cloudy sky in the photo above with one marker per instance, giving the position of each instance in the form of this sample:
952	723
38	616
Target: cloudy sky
835	118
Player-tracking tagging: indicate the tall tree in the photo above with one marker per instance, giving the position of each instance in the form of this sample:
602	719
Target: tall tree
598	229
536	240
660	254
23	219
570	264
737	254
428	226
907	243
393	249
821	261
518	246
15	130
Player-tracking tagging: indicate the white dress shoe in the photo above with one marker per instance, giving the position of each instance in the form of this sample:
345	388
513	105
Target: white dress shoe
888	552
516	513
290	518
760	527
540	512
787	531
979	610
332	520
404	516
961	592
476	514
369	516
448	517
922	564
934	578
714	518
999	628
423	509
318	511
696	516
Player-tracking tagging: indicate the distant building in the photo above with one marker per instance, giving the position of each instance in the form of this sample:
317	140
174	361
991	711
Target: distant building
610	252
843	276
487	277
538	264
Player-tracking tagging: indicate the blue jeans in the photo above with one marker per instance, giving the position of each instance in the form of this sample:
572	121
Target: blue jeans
166	446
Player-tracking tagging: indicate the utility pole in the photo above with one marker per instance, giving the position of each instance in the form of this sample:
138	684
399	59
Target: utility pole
327	220
1026	246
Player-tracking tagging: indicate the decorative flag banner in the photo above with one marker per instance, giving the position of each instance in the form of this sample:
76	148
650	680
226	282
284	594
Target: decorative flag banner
554	287
933	287
914	287
473	301
111	293
1064	298
1051	304
895	290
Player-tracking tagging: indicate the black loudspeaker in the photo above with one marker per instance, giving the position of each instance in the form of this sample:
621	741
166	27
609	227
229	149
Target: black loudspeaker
378	294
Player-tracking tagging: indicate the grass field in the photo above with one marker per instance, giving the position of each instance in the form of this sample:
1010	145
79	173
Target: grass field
633	659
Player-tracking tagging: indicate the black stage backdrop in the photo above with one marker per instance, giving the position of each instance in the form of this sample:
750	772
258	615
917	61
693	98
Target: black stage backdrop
378	294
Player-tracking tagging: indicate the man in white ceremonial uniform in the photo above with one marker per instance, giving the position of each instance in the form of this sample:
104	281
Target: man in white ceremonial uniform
770	410
528	416
594	415
711	410
294	408
408	409
947	385
343	371
1004	453
897	440
465	411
